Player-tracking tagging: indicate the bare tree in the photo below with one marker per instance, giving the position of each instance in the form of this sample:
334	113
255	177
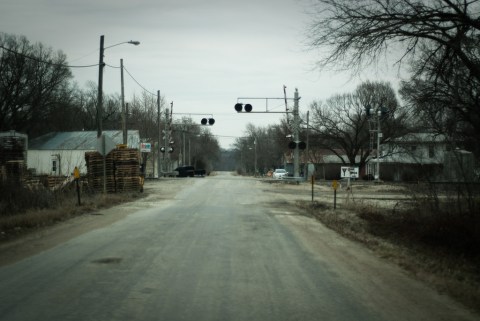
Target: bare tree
341	124
33	79
440	40
357	33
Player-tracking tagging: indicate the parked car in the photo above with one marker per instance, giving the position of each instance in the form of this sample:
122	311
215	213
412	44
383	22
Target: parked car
185	171
279	173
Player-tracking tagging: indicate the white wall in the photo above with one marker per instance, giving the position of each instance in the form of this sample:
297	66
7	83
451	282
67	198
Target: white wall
41	161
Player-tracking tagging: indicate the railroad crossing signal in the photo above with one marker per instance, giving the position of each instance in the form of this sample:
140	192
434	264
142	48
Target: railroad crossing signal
239	107
209	121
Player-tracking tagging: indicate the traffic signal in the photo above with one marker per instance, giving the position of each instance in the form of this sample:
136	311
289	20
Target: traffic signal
293	145
368	110
239	106
209	121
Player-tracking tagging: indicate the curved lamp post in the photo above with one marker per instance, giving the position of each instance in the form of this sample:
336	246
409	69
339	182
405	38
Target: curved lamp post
100	99
101	64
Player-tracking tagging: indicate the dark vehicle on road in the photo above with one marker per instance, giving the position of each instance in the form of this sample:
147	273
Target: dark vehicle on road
185	171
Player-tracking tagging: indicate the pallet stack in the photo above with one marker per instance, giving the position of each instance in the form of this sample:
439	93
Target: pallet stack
13	157
122	170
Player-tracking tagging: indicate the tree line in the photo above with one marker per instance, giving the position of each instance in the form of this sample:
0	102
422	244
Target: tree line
38	95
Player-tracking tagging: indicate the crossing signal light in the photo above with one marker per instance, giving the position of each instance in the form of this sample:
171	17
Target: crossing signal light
300	145
239	107
209	121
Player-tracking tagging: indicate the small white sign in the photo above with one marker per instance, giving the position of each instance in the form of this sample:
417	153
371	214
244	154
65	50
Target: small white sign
347	171
145	147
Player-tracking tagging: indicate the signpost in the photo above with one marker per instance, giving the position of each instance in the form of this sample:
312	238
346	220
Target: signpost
76	175
104	146
335	186
145	147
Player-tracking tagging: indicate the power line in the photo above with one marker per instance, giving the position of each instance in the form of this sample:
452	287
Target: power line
43	61
138	82
73	66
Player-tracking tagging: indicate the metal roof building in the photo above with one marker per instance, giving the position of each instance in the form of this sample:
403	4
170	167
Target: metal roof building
58	153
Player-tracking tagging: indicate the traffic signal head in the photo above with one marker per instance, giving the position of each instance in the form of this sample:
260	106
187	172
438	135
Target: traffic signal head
239	106
367	110
209	121
302	145
292	145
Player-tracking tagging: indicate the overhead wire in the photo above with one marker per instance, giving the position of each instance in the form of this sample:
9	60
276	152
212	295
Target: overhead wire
74	66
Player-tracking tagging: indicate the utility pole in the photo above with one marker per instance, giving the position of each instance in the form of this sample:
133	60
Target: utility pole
159	162
296	135
379	135
124	115
100	89
255	146
308	145
167	138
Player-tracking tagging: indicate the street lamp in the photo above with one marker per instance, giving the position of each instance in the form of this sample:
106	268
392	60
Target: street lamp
100	100
101	64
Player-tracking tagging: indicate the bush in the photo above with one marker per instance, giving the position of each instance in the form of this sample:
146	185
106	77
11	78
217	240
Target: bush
16	198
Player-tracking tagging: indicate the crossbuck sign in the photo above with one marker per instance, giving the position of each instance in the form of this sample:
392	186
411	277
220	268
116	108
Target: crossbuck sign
348	172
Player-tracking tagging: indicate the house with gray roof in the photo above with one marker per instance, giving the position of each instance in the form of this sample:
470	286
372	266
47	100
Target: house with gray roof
58	153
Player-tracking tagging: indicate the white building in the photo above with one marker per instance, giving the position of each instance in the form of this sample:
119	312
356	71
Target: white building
58	153
411	157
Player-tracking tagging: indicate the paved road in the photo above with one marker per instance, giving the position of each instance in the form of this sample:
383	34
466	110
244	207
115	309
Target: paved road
219	251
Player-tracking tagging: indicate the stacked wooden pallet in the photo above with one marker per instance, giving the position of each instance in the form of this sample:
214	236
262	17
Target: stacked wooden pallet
12	158
122	170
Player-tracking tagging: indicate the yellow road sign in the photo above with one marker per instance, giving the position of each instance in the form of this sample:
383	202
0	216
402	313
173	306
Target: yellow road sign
76	172
335	184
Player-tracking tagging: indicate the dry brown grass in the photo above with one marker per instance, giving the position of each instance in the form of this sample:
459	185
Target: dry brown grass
26	211
442	249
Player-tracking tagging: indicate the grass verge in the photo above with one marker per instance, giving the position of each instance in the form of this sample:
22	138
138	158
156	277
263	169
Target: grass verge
439	248
44	208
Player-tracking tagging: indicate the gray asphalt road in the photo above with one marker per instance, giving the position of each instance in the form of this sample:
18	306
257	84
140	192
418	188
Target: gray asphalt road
219	251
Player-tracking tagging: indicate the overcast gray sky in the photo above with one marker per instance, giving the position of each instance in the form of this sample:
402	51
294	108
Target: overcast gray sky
202	55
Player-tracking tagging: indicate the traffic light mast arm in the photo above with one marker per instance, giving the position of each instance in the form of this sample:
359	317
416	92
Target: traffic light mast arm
266	104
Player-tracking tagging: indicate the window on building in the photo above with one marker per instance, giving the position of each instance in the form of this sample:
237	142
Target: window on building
54	165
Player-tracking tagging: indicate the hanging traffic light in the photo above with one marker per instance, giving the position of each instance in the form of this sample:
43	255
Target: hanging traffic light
302	145
209	121
239	106
292	145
